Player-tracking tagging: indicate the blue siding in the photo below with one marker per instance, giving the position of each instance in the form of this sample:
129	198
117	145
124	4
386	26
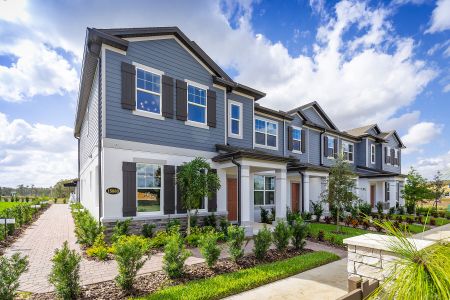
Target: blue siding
391	142
89	127
376	165
312	114
329	162
280	139
247	125
168	56
297	122
361	153
314	147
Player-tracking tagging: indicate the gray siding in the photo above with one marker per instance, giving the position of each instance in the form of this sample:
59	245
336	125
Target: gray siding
361	153
376	165
330	162
391	142
312	114
372	131
247	124
89	127
280	139
297	122
314	151
168	56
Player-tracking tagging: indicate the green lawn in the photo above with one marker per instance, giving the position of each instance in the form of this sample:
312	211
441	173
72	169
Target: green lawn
232	283
334	238
415	228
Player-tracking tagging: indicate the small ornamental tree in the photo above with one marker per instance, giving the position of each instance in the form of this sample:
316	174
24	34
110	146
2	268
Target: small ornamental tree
437	188
196	181
341	184
415	190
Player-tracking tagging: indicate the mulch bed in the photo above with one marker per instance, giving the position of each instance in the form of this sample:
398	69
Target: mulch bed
154	281
10	239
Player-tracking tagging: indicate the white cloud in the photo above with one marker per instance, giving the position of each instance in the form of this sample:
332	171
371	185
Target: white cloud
447	88
36	154
403	122
420	134
440	19
14	10
429	166
39	70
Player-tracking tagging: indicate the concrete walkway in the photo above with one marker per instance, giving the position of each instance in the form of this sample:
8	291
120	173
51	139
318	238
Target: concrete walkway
327	282
56	225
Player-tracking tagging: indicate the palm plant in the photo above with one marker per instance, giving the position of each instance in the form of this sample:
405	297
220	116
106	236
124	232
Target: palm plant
196	181
417	274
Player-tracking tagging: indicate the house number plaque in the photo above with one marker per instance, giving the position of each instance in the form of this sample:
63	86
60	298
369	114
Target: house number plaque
113	190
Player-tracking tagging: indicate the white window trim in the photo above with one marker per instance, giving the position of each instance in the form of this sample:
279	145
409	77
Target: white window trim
264	191
161	194
332	137
353	152
230	133
300	140
254	133
191	122
144	113
373	154
396	151
385	154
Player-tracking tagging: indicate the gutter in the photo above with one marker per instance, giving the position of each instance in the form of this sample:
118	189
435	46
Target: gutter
321	147
239	188
99	142
78	165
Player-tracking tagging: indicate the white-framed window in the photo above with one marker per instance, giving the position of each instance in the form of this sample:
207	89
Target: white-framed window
330	147
266	133
296	139
372	153
396	162
388	154
234	119
387	191
196	103
148	90
348	151
264	190
148	188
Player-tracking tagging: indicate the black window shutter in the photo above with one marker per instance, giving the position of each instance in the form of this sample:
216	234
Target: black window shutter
180	208
167	96
181	100
392	157
386	155
335	146
128	86
290	139
212	199
129	189
303	141
211	107
169	189
325	146
386	192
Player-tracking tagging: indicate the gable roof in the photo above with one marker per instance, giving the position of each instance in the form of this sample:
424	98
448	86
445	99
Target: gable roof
117	39
363	130
271	112
386	135
319	110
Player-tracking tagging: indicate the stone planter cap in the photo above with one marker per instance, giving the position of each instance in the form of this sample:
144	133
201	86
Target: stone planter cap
382	242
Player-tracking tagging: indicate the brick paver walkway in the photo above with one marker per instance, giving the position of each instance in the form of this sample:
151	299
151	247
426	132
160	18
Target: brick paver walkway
56	225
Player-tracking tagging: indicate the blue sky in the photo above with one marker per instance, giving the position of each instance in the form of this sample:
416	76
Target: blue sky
363	61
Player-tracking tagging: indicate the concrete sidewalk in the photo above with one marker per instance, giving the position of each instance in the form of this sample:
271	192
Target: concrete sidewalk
327	282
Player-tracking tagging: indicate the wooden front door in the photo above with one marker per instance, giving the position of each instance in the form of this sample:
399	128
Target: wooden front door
232	199
372	196
295	193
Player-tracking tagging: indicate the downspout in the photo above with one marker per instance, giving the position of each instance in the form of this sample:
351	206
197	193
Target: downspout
303	191
239	188
99	112
321	147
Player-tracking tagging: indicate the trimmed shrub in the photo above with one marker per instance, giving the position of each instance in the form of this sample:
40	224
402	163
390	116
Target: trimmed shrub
235	241
306	216
159	240
401	210
65	274
129	252
328	219
99	249
175	254
281	236
262	242
211	220
209	248
321	235
380	208
10	270
272	214
317	209
147	230
120	229
193	239
264	213
86	228
172	223
409	220
223	224
299	231
433	222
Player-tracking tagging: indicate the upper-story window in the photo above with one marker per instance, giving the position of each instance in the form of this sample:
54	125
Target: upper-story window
196	104
347	151
266	133
234	119
396	160
330	147
372	153
148	91
296	139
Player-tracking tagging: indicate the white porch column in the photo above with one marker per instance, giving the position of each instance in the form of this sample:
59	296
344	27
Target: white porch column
280	194
222	192
393	193
246	213
305	187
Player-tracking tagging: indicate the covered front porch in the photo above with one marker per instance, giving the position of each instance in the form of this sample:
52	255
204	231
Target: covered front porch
386	190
